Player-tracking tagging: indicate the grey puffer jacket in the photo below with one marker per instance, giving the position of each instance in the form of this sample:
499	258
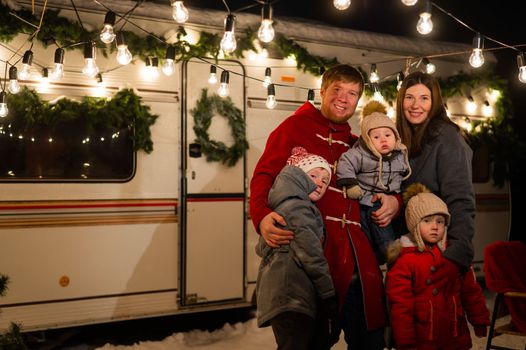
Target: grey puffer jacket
293	276
444	166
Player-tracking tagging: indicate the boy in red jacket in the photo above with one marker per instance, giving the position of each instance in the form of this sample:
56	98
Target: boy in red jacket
422	316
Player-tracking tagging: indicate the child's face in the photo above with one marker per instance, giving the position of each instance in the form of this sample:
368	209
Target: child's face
432	228
383	139
321	178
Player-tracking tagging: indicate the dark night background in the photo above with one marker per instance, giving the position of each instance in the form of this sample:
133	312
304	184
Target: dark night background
500	20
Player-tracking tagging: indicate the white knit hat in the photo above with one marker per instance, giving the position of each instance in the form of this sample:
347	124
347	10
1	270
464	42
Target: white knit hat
307	161
421	203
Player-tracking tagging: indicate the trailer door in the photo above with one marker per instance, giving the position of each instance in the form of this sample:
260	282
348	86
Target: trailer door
212	209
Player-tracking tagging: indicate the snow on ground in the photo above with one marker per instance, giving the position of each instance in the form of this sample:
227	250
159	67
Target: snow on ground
248	336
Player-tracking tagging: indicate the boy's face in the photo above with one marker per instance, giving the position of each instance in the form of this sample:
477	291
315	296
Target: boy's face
383	140
432	228
321	178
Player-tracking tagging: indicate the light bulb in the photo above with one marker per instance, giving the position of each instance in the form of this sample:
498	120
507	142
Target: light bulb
521	63
212	78
267	80
3	104
168	67
14	86
228	43
179	12
25	72
425	24
152	67
90	66
266	30
342	4
271	97
430	67
58	68
400	79
476	59
310	96
124	55
107	35
374	77
223	90
409	2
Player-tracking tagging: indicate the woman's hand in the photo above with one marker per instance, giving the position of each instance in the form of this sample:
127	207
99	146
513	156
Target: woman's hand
273	235
383	216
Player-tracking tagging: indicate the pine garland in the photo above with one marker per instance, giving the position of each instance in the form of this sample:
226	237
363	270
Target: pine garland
217	151
124	110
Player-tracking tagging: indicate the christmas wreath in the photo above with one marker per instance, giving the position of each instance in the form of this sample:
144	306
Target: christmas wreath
217	151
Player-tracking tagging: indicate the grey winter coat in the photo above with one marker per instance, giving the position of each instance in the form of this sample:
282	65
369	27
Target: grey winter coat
293	276
359	166
444	166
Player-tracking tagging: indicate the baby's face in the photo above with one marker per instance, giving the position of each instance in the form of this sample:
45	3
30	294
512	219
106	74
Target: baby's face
383	140
321	178
432	228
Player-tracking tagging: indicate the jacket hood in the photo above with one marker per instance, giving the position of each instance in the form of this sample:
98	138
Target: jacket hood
290	182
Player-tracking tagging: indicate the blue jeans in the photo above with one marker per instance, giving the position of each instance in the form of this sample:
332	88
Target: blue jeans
354	326
380	237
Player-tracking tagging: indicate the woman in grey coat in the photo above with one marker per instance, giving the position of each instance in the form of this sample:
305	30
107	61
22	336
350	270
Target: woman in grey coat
295	292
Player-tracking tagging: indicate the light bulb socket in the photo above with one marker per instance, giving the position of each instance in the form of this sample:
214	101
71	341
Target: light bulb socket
148	61
268	72
521	62
470	98
109	18
271	91
155	62
45	72
486	103
120	39
310	95
426	7
89	50
13	73
98	77
213	69
170	52
478	41
225	77
400	76
229	22
59	55
425	61
266	11
3	97
28	57
373	67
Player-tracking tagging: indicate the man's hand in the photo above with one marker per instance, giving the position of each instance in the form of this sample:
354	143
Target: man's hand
383	216
273	235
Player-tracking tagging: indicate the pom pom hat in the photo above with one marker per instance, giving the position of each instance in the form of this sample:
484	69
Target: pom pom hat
307	161
420	202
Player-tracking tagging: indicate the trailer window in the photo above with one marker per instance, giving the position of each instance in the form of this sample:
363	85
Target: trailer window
66	152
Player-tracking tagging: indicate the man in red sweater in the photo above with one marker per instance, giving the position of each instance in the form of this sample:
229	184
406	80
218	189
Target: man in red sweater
327	133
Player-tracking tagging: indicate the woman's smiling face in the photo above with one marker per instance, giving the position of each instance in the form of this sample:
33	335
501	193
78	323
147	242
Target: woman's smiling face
417	104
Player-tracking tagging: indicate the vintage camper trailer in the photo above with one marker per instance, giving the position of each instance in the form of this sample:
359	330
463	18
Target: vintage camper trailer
168	232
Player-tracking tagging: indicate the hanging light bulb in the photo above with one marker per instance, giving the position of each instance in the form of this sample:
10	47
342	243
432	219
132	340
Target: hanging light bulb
377	95
179	11
124	55
310	96
100	81
107	35
223	90
425	24
58	68
409	2
3	104
228	43
212	78
90	66
476	59
373	76
521	62
400	79
152	67
471	106
271	97
44	80
266	31
169	61
430	67
487	110
342	4
14	86
26	65
267	80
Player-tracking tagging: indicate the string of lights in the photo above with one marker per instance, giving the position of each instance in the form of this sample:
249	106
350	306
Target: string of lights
228	45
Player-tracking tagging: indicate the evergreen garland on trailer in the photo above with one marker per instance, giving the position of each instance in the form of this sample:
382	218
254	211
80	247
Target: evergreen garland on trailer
12	339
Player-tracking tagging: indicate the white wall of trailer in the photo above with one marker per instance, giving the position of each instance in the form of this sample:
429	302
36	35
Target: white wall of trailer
84	253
